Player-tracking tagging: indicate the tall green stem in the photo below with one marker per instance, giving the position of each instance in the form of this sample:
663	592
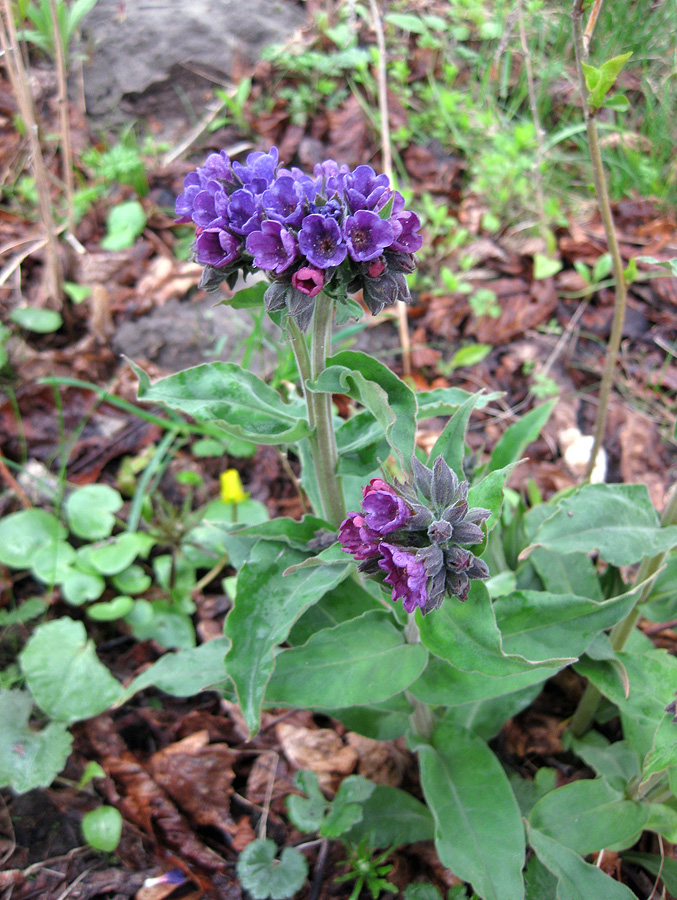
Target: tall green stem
620	633
322	439
421	718
604	206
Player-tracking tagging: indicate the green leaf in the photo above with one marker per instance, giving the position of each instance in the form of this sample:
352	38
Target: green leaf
170	627
266	606
30	608
445	401
24	534
487	717
587	816
237	400
379	721
617	520
467	636
76	292
488	493
185	673
391	818
519	435
542	626
466	788
132	580
306	813
618	762
346	807
574	573
365	660
102	828
64	674
89	511
577	880
248	297
117	553
52	563
110	610
264	876
407	22
651	679
467	356
544	267
451	443
36	319
79	587
389	399
28	758
657	865
124	223
346	601
606	77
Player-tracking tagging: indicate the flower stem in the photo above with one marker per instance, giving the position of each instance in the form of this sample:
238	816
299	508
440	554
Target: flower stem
421	718
580	46
585	712
322	439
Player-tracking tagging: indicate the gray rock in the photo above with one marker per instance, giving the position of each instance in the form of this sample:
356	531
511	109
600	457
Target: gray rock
136	44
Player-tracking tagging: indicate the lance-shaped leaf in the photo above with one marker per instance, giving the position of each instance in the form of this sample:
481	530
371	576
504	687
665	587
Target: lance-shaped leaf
387	397
589	815
467	636
541	626
488	493
478	827
519	435
445	401
577	880
266	606
237	400
365	660
451	443
617	520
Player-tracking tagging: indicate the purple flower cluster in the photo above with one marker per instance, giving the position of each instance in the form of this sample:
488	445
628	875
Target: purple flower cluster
338	230
415	545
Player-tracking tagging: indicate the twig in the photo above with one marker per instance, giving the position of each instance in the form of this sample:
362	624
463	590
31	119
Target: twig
64	118
540	203
387	164
318	873
19	80
14	485
590	27
269	795
607	218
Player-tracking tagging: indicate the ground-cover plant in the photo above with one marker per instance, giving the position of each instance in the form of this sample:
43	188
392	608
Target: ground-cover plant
473	639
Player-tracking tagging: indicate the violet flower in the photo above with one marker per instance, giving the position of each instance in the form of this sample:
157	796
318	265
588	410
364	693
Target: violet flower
412	535
321	242
273	247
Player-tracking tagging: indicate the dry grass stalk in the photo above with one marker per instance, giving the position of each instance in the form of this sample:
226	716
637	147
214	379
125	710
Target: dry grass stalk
18	77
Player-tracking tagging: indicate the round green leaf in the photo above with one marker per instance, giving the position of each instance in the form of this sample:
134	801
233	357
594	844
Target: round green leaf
264	876
40	321
79	587
124	224
102	828
132	580
89	511
64	674
119	552
52	564
24	534
110	610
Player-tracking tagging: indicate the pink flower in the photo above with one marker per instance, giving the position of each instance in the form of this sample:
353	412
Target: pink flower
308	280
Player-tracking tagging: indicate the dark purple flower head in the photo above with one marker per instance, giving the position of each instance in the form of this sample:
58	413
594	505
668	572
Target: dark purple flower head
405	574
367	235
284	201
405	227
357	538
216	248
273	247
218	166
321	243
364	188
384	510
308	280
259	172
244	215
426	521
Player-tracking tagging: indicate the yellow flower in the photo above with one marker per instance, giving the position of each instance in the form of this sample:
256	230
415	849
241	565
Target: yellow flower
231	487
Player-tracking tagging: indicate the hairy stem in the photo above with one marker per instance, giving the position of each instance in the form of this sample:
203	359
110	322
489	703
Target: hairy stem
585	713
421	718
322	440
607	218
64	119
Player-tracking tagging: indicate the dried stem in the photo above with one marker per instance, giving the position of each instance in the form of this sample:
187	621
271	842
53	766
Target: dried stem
540	203
19	81
64	119
607	218
387	164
